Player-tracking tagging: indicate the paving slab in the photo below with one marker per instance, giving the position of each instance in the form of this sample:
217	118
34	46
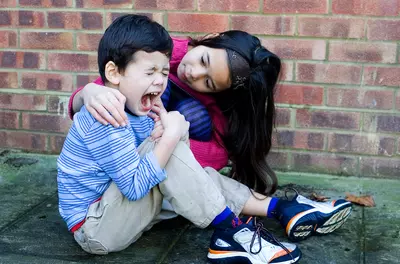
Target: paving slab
32	231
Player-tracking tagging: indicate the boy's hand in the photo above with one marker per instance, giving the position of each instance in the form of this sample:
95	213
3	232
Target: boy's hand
174	124
158	131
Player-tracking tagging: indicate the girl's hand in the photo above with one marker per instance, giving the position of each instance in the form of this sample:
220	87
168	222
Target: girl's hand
157	132
105	104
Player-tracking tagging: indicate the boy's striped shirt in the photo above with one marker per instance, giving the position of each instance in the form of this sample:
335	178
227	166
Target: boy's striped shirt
94	155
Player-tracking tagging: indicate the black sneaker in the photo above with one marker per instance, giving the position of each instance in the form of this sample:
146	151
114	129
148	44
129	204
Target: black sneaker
303	218
250	243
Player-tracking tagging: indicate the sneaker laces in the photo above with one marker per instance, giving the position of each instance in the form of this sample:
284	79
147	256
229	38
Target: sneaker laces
262	232
291	189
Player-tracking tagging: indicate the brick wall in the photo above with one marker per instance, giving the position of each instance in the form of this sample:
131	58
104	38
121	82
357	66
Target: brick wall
339	97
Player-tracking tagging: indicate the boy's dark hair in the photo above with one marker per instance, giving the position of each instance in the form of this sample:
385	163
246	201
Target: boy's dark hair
127	35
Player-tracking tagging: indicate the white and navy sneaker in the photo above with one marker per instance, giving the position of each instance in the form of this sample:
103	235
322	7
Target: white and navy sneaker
250	243
303	218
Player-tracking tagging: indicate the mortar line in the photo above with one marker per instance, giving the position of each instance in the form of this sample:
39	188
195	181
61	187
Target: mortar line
21	217
174	242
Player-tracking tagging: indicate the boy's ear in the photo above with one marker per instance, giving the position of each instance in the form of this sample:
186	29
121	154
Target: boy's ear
112	74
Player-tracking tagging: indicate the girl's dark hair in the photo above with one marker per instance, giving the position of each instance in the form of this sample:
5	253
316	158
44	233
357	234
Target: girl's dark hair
250	110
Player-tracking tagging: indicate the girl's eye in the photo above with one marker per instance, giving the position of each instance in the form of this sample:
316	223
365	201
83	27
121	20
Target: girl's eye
208	83
149	73
165	74
202	61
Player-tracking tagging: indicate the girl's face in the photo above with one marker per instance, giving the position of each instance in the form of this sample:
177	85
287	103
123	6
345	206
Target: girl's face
205	69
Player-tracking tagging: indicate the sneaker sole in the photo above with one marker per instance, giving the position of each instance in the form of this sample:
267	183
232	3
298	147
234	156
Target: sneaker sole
303	225
241	258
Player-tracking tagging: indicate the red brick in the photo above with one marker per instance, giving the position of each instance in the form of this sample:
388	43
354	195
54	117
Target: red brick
228	5
8	80
88	42
282	117
297	49
46	3
158	17
278	160
47	123
8	3
22	140
286	71
324	163
299	94
298	140
383	30
197	22
382	76
9	120
356	98
329	27
366	7
328	73
363	52
8	39
75	20
46	40
326	119
56	143
104	4
382	123
371	144
380	167
58	104
64	20
8	18
92	20
82	80
22	102
265	25
72	62
47	81
31	19
27	60
296	6
164	5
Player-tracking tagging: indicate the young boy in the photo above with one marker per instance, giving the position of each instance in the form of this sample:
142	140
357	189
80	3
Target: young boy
112	181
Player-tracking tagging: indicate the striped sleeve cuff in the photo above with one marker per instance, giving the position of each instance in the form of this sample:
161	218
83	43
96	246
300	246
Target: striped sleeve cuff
159	173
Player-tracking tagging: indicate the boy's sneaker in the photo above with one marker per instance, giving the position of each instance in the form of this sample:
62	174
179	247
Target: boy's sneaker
303	218
250	243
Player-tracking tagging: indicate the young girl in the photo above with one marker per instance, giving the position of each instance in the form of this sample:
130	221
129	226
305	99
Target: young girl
224	86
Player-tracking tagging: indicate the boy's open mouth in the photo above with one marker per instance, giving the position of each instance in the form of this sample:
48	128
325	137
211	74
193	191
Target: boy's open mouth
148	100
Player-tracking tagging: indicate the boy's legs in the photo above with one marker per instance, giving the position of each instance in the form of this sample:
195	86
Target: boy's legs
114	222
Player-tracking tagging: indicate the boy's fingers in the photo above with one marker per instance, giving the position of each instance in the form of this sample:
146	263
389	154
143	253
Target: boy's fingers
104	114
96	116
153	116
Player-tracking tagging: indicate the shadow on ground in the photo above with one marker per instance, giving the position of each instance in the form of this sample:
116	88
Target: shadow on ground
31	230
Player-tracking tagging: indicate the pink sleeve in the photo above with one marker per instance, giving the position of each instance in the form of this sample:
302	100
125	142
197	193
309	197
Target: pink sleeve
209	154
71	100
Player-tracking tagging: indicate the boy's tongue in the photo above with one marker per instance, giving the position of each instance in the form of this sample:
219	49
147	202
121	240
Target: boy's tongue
146	102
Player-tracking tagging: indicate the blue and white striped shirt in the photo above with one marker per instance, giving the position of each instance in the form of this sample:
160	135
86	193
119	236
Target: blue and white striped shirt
93	155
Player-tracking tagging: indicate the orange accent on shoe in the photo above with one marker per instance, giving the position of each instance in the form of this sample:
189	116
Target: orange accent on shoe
217	252
291	220
248	220
333	203
279	254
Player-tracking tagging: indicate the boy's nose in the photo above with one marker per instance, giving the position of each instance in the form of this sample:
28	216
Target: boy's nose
159	80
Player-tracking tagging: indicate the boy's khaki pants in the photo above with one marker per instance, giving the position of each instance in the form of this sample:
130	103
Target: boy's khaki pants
198	194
